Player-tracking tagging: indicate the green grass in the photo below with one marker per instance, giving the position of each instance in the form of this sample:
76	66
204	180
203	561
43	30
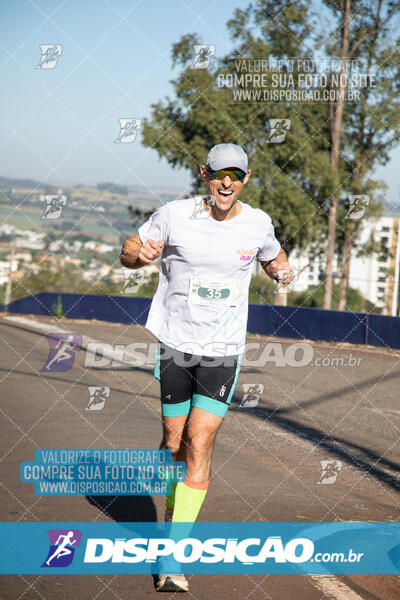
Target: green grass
34	220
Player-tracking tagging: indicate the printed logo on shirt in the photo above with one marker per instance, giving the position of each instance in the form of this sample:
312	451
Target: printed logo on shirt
245	254
222	391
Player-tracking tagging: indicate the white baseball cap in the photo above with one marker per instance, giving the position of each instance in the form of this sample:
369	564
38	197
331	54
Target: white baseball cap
223	156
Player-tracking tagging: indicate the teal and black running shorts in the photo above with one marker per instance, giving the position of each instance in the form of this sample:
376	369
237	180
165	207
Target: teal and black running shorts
190	380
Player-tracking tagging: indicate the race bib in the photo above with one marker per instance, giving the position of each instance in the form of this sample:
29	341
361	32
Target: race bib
206	292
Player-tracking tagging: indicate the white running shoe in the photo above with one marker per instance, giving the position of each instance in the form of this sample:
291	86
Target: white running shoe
172	583
171	578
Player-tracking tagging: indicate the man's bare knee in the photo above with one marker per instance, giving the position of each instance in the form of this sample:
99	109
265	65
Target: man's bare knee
172	443
200	443
202	428
172	434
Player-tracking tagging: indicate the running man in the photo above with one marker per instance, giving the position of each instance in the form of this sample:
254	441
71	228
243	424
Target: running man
199	315
53	206
99	397
62	549
64	348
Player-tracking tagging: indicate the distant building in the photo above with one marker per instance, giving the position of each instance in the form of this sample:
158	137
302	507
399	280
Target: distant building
118	274
74	246
25	257
374	276
5	270
30	244
73	261
98	247
6	229
393	291
56	245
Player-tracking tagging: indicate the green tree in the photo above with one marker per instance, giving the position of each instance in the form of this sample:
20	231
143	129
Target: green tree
361	133
288	180
261	290
148	289
314	297
58	308
67	279
331	148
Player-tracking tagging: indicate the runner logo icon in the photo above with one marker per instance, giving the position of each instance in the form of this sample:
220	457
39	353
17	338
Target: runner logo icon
98	396
62	351
62	547
50	54
329	471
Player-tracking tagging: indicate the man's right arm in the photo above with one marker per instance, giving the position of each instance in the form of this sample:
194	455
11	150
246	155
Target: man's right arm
135	254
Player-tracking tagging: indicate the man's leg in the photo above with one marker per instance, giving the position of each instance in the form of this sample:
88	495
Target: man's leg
198	444
173	429
171	578
211	392
213	389
176	383
201	431
172	435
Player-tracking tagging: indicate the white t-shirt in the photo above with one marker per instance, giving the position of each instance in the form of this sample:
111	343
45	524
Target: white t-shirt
201	303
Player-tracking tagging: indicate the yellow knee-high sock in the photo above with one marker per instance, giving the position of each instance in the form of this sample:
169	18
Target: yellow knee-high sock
189	496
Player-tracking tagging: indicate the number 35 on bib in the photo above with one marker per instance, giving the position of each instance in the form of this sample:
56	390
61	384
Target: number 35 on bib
205	292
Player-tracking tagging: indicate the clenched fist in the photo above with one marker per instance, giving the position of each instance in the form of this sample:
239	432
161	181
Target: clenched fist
281	271
150	251
135	254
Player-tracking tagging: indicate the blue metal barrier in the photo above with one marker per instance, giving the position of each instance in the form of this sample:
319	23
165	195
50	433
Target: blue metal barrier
282	321
117	309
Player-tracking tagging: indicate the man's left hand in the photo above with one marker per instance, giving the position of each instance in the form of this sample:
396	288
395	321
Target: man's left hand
280	271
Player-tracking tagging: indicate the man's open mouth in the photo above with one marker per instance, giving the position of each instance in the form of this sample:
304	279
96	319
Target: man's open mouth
225	194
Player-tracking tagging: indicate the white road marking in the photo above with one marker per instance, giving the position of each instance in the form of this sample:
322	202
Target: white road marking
333	588
46	328
382	412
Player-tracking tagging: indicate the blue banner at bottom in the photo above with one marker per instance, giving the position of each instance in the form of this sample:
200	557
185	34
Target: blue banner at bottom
213	548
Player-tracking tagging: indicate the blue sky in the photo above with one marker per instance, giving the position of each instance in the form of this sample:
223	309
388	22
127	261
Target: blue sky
59	125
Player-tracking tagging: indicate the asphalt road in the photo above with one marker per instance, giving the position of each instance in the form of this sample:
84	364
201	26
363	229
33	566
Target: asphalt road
266	463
